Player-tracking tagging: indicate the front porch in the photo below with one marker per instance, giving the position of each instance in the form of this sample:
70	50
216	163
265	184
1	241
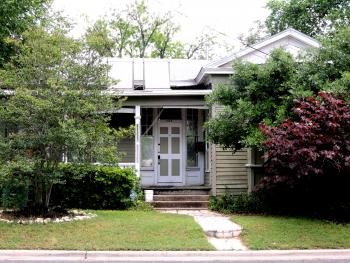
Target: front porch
169	148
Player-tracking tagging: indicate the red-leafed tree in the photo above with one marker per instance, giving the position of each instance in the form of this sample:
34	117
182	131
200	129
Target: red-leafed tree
316	143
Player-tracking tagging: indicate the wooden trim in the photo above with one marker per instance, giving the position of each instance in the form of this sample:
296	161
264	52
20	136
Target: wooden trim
213	159
137	139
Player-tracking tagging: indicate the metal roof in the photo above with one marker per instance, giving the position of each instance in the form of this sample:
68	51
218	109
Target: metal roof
154	74
147	77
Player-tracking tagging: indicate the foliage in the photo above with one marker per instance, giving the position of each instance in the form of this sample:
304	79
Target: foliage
257	93
323	197
141	205
307	158
327	68
95	187
229	203
56	92
15	18
255	34
14	185
97	38
317	142
312	17
264	93
139	32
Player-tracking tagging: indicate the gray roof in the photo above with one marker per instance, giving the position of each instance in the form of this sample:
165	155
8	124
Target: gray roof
154	74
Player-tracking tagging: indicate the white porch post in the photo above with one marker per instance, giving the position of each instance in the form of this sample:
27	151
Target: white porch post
137	139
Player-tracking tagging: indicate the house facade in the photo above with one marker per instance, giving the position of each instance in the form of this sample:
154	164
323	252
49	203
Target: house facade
166	102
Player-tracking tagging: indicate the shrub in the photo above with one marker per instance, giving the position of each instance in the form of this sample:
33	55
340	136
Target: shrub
244	203
308	160
316	143
95	187
323	197
14	185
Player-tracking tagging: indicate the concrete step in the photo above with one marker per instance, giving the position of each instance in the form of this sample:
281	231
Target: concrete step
181	208
181	192
180	197
182	204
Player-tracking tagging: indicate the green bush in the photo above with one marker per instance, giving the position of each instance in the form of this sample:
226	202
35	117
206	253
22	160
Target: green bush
244	203
95	187
14	185
319	197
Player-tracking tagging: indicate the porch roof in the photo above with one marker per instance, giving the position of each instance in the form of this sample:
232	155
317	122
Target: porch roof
160	92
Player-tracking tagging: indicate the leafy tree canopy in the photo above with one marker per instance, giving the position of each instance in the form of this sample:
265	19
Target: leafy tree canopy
257	93
15	18
54	97
139	32
264	93
312	17
316	143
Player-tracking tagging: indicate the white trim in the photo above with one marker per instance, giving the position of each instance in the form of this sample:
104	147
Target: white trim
186	107
158	92
137	139
212	70
124	110
123	165
290	32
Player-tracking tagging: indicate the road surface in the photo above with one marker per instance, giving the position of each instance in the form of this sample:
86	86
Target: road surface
268	256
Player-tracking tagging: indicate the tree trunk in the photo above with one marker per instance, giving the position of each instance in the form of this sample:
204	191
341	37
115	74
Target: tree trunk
48	194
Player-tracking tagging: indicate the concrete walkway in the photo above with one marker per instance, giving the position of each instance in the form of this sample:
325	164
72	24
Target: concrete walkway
222	233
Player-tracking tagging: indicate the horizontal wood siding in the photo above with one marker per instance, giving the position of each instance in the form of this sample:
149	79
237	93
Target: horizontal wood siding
127	148
231	174
228	169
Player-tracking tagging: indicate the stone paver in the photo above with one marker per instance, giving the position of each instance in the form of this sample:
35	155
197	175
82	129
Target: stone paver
222	233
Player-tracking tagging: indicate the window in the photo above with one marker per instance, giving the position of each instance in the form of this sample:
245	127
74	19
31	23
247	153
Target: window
191	137
147	139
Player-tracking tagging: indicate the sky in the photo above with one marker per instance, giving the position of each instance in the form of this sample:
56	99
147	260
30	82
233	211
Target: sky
229	18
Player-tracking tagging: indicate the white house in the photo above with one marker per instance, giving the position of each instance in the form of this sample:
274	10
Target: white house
166	101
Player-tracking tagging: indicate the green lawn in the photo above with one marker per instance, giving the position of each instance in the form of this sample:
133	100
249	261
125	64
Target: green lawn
268	232
110	230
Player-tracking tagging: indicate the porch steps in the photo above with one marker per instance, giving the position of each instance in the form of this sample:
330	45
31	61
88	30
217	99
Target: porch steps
181	198
181	205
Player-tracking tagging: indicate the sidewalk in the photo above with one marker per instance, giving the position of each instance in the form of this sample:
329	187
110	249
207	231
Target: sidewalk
342	255
221	232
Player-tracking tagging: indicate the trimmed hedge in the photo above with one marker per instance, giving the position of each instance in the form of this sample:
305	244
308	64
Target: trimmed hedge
94	187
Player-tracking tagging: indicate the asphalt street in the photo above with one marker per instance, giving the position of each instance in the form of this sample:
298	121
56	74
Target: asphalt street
268	256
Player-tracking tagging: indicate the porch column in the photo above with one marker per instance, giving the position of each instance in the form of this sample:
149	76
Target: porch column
137	139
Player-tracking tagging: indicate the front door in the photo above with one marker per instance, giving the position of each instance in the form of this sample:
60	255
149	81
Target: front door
170	152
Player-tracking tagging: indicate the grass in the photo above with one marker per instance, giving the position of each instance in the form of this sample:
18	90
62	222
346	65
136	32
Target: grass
270	232
110	230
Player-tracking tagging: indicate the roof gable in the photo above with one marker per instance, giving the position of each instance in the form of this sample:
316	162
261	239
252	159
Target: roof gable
291	40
